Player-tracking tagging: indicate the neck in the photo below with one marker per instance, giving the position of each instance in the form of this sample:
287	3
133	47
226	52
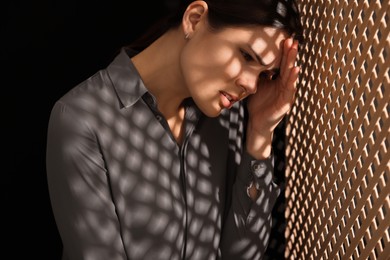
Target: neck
159	67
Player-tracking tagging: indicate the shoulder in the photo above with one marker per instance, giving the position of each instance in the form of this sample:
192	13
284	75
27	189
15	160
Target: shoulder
82	104
103	89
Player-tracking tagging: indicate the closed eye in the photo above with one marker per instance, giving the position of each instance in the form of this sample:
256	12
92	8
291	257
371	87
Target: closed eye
270	74
246	56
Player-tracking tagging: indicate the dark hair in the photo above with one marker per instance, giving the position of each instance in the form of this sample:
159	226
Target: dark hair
281	14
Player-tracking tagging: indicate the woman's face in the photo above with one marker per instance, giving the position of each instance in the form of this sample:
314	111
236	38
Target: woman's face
221	68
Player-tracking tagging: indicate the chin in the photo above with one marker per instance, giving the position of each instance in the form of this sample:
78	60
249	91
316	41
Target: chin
213	115
212	112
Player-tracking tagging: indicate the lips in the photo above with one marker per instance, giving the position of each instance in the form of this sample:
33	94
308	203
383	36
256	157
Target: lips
227	99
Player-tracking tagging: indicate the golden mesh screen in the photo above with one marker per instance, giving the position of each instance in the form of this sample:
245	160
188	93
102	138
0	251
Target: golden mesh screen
337	134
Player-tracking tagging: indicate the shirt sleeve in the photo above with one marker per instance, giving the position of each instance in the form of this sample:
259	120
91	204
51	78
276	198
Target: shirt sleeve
248	225
79	188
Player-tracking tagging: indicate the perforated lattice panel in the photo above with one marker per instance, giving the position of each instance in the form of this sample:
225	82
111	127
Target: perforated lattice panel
337	134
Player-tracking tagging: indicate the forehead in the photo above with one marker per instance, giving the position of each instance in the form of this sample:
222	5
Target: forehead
265	41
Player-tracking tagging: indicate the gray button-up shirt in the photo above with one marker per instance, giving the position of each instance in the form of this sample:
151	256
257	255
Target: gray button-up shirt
122	188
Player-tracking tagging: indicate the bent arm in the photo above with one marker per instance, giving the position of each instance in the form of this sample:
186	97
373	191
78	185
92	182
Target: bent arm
248	225
79	189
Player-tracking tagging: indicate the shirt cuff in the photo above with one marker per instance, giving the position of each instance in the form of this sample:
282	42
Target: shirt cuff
258	171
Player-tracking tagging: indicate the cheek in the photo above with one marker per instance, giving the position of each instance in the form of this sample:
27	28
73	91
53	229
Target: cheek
233	68
211	63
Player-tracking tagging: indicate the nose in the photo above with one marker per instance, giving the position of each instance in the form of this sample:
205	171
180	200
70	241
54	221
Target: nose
248	82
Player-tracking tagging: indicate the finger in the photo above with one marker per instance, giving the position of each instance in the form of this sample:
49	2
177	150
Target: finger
291	57
290	62
290	88
292	80
286	47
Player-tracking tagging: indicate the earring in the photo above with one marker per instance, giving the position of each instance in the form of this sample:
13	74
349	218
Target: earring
186	36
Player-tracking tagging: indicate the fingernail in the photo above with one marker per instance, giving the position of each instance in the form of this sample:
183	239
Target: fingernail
295	44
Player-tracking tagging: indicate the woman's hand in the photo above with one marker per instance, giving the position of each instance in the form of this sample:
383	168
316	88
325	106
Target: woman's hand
271	102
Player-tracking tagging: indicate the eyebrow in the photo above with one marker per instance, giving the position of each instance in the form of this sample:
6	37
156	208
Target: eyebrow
258	58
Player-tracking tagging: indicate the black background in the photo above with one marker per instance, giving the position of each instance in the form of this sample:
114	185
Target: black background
47	47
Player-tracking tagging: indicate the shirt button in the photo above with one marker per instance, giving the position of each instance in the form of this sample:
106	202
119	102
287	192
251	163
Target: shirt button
257	168
158	117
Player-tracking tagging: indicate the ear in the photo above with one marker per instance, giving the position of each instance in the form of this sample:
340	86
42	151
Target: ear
192	17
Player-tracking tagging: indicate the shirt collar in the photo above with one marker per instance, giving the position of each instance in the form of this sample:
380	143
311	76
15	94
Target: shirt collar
125	78
129	86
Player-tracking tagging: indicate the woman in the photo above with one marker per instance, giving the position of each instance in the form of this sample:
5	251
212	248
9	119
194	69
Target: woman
160	155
